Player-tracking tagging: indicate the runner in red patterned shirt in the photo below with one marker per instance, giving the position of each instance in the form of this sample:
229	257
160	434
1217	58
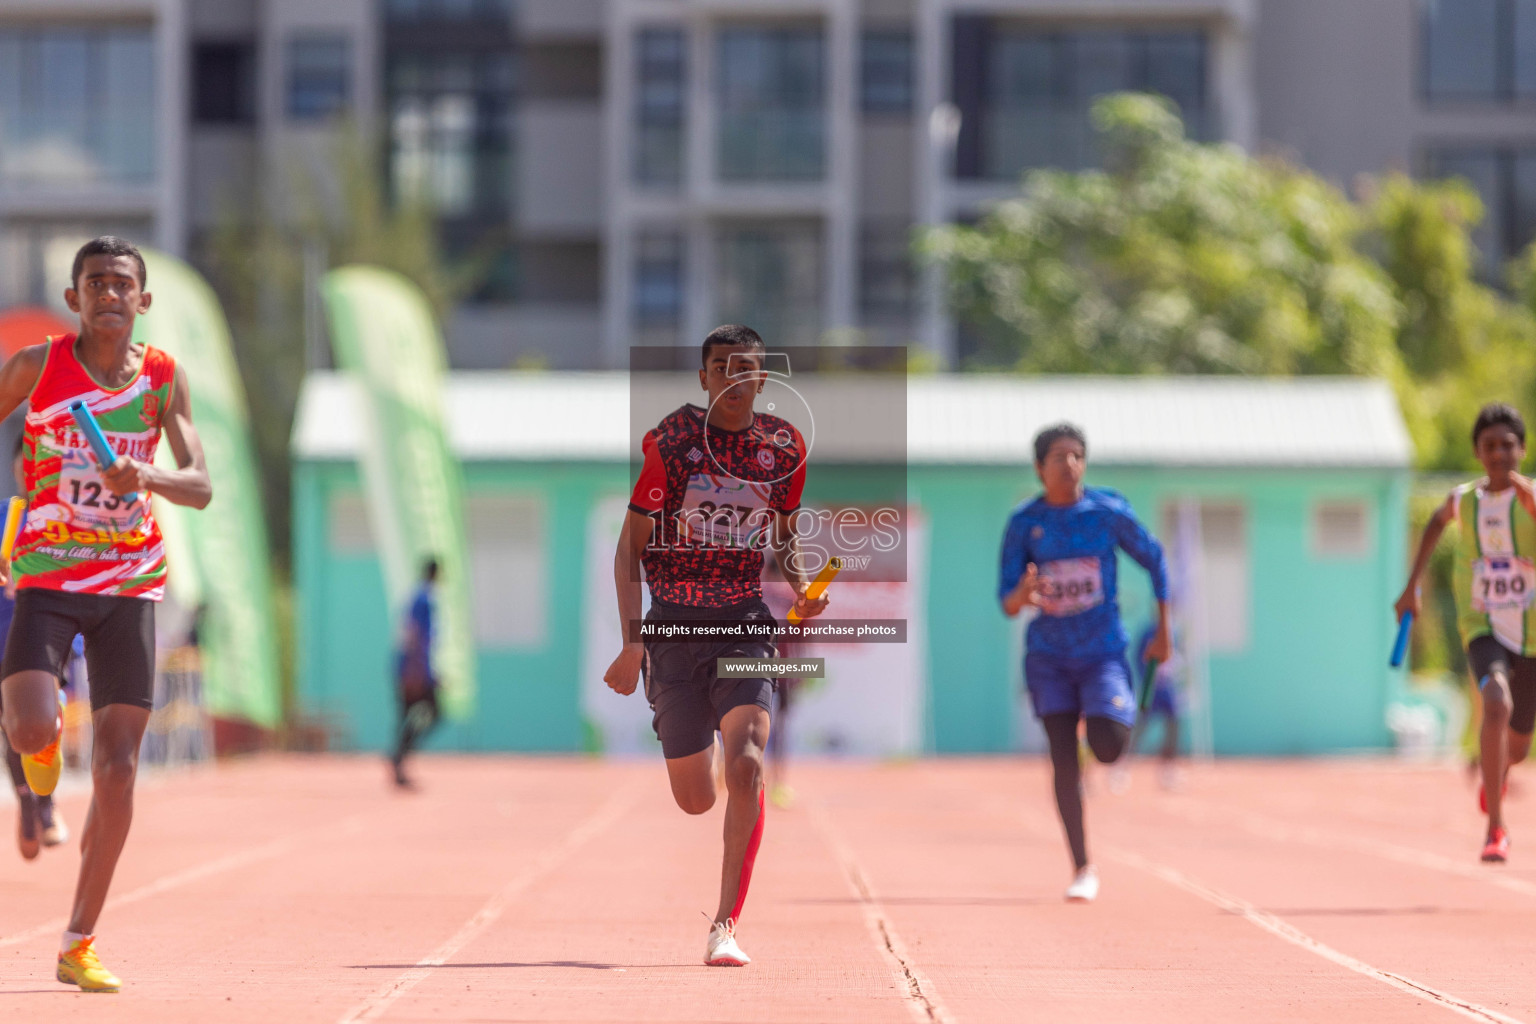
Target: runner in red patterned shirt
91	561
718	485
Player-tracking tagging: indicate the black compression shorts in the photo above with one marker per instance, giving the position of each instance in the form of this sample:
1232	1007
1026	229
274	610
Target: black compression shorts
686	694
119	642
1484	654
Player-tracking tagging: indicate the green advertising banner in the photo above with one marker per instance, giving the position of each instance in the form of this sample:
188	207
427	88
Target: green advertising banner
385	336
219	557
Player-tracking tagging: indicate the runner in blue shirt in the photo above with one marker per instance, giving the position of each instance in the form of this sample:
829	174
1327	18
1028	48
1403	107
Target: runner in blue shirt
415	680
1059	558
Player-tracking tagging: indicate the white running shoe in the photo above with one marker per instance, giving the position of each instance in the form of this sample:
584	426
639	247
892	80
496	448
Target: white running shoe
722	950
1085	887
57	833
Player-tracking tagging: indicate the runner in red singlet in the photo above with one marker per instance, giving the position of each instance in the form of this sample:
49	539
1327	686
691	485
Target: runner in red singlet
89	560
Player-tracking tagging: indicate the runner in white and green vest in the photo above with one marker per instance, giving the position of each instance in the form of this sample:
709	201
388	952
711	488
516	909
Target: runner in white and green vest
1495	581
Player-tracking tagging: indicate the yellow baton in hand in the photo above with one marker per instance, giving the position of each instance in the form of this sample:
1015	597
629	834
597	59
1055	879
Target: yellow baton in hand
12	527
818	585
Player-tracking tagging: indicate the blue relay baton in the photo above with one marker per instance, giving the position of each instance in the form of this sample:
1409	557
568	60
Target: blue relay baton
1400	648
92	431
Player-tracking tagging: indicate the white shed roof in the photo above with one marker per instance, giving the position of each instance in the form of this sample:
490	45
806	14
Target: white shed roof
956	418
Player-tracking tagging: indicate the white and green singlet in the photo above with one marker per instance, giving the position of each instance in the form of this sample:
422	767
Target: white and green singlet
1495	573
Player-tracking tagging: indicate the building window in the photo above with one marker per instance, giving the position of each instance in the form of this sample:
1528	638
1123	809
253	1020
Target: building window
1505	179
319	76
885	72
1025	93
1209	569
509	571
659	279
77	105
771	103
450	131
768	276
661	66
350	531
1480	50
36	255
1341	529
446	10
887	284
224	83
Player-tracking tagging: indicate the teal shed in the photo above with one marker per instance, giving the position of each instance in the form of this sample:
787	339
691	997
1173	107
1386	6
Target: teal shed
1283	503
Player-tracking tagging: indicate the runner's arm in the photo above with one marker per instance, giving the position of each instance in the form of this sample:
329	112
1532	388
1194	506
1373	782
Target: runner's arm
1525	491
633	539
790	558
787	551
623	674
1138	542
1408	601
1018	578
188	483
19	376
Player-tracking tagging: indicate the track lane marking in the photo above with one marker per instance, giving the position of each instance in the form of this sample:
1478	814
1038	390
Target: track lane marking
919	993
177	879
1265	826
374	1006
1283	929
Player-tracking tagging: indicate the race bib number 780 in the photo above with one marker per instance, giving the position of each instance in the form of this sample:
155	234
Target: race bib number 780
1502	582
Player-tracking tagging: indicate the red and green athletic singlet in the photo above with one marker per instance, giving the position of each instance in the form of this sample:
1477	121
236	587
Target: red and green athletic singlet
78	536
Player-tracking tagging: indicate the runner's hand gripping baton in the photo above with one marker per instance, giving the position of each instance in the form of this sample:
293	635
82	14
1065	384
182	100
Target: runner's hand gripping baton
92	431
818	585
1400	648
12	527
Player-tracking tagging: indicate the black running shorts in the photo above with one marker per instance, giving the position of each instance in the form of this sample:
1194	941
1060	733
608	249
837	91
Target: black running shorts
1484	654
686	695
119	642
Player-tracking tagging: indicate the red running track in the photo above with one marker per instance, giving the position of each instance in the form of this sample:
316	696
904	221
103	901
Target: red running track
540	889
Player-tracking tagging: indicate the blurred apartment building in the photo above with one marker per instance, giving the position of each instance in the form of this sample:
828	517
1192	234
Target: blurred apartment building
635	171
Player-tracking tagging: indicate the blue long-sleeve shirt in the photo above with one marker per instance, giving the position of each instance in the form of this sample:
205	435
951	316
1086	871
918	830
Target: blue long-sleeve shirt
1073	549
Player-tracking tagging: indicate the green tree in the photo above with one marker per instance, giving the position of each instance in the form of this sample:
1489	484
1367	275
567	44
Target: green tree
255	258
1464	343
1180	257
1177	258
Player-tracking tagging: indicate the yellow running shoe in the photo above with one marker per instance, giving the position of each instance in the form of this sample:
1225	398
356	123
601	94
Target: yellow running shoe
42	768
81	967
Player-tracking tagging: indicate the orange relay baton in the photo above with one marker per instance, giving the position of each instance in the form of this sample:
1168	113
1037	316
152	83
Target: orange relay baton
12	527
818	585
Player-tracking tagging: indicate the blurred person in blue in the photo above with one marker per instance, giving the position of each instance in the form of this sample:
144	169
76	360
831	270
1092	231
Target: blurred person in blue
1059	558
415	681
38	822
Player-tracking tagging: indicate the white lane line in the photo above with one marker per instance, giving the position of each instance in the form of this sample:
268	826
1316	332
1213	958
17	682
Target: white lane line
921	996
609	812
177	879
1266	827
1290	933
